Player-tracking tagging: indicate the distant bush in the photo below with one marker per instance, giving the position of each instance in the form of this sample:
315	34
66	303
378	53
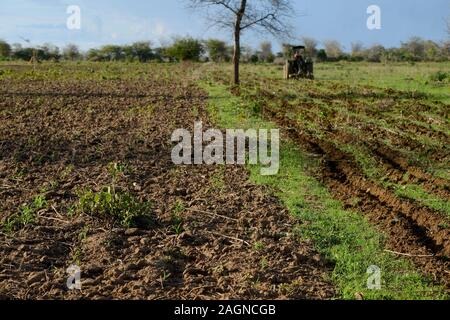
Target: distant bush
322	55
5	50
218	50
71	52
139	51
185	49
20	53
188	48
266	54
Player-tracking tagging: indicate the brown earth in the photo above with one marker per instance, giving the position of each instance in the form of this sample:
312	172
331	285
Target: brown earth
232	239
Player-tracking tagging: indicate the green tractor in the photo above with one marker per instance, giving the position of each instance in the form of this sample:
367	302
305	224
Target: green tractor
299	67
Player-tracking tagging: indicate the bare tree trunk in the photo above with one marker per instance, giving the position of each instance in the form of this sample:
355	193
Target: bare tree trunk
237	41
236	56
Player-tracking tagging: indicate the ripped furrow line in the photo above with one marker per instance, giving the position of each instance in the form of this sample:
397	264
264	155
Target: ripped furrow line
420	216
423	217
396	165
420	231
399	163
403	234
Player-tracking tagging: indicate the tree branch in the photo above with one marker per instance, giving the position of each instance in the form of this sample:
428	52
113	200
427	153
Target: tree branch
210	3
258	21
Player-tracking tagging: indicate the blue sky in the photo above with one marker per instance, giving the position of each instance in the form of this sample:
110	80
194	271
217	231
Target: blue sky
125	21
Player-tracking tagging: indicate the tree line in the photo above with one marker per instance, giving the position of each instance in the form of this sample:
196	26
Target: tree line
215	50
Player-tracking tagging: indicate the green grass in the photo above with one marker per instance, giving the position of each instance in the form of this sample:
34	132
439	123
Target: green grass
399	76
344	237
418	79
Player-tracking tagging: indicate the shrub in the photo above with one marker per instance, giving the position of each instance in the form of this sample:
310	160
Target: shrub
185	49
5	49
217	50
440	76
322	55
130	212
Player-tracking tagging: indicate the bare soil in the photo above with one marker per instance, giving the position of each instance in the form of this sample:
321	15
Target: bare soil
234	240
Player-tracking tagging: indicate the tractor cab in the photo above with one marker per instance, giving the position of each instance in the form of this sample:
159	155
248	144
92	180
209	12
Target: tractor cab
299	66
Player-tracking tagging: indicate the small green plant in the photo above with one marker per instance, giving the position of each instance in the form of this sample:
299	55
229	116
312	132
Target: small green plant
164	277
264	263
179	207
115	169
18	174
218	180
444	225
258	246
25	216
177	219
124	207
83	234
76	256
67	171
39	203
71	210
195	112
177	224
